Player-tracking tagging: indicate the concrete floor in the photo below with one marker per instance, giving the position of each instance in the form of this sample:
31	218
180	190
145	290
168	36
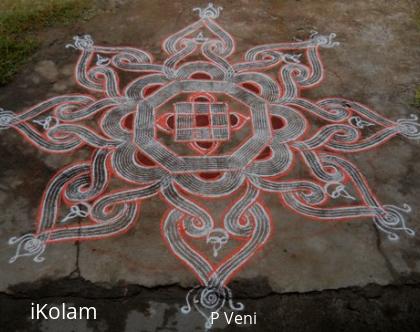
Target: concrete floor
376	64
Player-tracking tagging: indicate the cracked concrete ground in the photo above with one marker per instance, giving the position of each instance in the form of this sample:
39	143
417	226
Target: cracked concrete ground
136	278
133	308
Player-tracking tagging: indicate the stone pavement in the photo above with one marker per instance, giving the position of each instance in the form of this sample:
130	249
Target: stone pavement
376	64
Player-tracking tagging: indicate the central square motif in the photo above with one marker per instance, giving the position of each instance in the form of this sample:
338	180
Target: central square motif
201	121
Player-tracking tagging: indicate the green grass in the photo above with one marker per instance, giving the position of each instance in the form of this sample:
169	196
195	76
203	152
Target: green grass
19	22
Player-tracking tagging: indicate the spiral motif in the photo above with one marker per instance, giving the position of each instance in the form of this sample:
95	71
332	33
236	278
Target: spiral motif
391	220
325	41
209	12
210	298
82	43
409	127
28	245
32	245
6	118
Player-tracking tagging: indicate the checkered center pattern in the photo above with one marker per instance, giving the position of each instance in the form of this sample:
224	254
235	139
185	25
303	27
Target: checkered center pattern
200	121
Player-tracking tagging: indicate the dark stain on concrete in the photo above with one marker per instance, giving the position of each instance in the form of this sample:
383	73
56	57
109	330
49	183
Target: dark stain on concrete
371	308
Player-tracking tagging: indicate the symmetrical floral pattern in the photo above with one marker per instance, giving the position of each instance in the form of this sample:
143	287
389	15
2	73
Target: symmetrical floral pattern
199	126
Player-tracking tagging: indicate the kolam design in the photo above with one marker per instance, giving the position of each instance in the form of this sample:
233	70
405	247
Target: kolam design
171	131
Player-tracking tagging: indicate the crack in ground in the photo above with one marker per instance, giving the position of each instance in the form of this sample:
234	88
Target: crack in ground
134	290
76	272
369	308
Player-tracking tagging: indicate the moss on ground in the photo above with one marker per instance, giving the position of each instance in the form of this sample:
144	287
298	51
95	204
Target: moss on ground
417	17
19	22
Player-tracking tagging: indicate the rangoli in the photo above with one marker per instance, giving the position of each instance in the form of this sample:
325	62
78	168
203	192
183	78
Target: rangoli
200	126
